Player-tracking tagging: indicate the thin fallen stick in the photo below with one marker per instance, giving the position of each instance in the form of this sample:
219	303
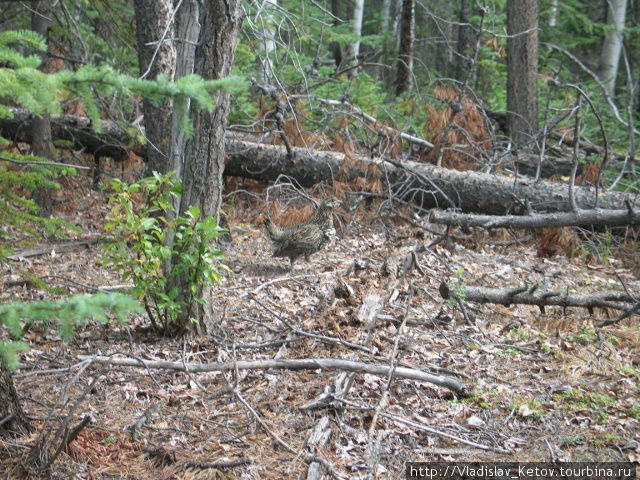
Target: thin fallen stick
297	364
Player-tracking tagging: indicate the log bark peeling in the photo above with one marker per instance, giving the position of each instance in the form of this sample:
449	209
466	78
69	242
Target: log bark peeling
531	295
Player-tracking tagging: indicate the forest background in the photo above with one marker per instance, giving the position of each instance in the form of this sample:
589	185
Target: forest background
544	89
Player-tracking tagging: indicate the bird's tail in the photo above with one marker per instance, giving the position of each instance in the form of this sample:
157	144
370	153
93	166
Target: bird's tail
275	232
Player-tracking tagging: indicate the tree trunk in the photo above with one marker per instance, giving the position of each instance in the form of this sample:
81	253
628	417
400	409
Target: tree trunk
187	30
267	40
356	29
553	16
204	161
404	78
612	44
10	407
522	70
41	125
426	184
156	56
465	39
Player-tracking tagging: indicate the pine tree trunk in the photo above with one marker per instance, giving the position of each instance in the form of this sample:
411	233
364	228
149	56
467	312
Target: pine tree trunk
204	160
10	407
404	78
41	125
188	30
465	39
522	70
612	44
156	55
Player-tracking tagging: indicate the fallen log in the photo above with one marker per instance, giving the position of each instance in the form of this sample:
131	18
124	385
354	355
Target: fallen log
531	295
596	217
113	140
428	185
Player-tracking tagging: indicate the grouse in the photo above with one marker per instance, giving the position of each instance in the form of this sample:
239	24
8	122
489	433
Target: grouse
304	238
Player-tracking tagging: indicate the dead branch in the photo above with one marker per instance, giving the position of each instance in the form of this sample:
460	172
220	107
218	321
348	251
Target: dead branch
113	141
58	248
596	217
318	438
533	296
297	364
136	428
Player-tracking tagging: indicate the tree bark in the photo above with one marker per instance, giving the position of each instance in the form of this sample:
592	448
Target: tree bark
428	185
404	78
612	44
267	40
204	161
356	29
11	413
187	30
522	70
465	39
593	217
113	141
530	295
41	125
156	56
471	191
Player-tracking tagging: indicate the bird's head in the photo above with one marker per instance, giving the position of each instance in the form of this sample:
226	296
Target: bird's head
329	204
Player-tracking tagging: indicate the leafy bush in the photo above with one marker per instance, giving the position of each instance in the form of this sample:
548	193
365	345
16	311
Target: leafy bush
167	257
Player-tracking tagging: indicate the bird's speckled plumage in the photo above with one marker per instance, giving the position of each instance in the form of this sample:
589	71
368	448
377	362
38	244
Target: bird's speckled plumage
303	239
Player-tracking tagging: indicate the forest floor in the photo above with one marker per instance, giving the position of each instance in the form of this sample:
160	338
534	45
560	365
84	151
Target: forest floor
544	386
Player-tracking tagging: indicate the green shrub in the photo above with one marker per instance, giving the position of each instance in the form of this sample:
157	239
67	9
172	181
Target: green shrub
167	257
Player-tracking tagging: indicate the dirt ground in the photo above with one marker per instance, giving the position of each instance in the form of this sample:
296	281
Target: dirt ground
544	386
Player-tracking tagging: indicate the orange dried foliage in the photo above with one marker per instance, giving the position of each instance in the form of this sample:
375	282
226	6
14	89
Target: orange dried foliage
557	241
493	44
589	174
390	142
298	138
566	135
468	135
362	176
75	107
344	146
55	64
292	128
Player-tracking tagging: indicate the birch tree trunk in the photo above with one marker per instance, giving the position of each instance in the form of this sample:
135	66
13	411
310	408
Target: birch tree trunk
522	70
612	44
553	16
356	29
156	56
267	36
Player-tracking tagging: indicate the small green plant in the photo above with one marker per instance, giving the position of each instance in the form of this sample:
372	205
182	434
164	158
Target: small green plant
110	440
167	257
585	336
521	334
530	409
629	371
571	440
459	293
